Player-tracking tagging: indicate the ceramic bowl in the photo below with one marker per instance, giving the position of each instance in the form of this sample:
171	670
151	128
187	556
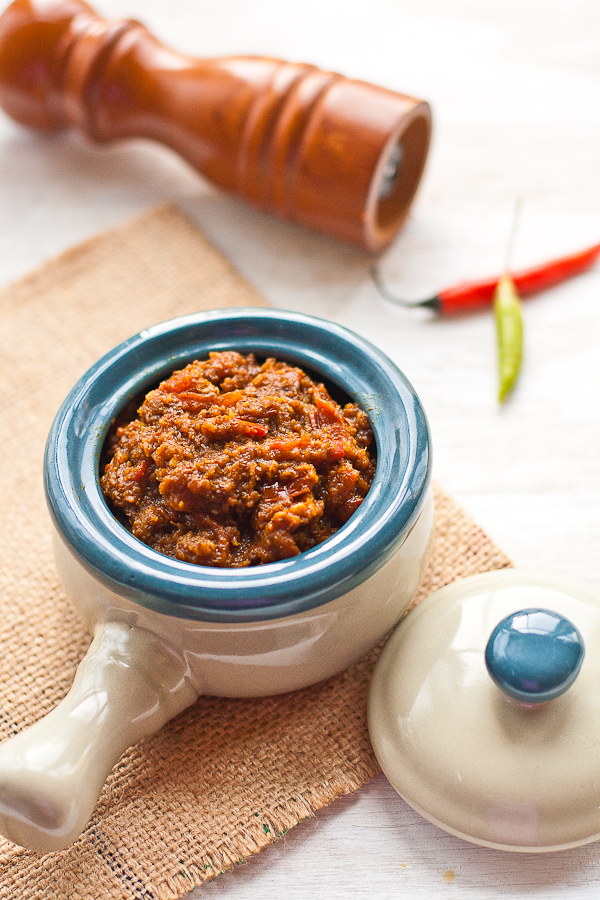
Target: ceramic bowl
167	631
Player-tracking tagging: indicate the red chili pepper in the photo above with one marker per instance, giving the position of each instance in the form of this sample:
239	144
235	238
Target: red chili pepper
251	429
279	446
335	451
327	409
136	473
472	295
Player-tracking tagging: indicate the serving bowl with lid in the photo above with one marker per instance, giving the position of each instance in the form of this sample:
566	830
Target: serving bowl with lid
166	631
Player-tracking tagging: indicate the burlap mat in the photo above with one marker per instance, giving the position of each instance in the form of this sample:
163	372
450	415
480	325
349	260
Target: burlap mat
227	777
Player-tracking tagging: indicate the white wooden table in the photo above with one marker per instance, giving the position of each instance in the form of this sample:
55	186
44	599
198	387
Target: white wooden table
515	88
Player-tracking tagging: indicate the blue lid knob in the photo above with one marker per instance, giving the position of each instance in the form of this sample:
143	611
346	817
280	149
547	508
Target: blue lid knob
534	655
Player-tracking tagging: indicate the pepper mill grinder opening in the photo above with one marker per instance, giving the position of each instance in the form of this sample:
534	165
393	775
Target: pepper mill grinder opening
338	155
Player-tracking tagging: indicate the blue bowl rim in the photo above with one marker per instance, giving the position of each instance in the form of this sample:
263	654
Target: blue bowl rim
129	568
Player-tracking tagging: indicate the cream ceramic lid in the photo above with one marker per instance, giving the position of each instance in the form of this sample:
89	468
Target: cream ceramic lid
520	775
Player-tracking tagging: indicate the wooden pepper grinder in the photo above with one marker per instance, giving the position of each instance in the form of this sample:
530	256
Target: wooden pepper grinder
344	157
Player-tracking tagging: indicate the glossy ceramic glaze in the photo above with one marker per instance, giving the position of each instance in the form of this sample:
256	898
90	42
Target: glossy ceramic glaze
166	631
534	655
477	763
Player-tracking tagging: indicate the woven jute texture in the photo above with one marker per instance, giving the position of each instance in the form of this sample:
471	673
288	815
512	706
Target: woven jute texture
226	777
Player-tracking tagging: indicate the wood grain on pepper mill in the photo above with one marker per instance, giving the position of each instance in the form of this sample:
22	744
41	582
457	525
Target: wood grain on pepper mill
338	155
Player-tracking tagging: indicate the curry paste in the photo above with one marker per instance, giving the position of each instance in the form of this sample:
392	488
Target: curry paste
233	463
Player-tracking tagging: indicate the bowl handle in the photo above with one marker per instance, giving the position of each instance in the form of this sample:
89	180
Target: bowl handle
127	686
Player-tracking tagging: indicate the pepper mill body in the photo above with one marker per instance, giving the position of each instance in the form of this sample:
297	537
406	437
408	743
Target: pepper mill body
338	155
